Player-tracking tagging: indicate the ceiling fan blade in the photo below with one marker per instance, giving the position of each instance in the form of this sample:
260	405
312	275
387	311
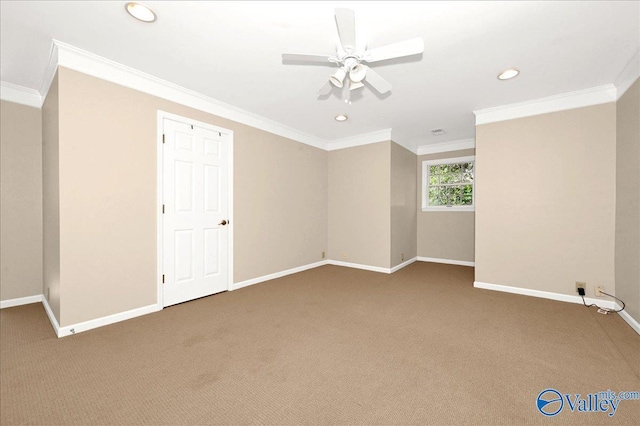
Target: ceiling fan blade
301	57
377	82
413	46
326	89
346	23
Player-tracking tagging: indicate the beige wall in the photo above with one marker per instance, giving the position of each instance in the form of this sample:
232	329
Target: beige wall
280	203
108	197
403	204
445	235
51	197
627	245
359	204
545	188
20	201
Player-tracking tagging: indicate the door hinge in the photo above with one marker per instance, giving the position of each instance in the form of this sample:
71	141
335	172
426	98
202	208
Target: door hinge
162	278
163	138
163	209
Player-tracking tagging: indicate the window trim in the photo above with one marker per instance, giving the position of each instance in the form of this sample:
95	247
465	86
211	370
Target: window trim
425	182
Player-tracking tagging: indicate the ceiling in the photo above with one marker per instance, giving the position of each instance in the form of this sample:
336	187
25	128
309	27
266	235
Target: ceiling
231	51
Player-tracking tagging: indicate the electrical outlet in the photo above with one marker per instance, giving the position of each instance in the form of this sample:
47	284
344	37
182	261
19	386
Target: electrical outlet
323	256
346	256
581	285
598	291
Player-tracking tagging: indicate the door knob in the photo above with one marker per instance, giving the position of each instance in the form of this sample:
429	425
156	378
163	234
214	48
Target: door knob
224	222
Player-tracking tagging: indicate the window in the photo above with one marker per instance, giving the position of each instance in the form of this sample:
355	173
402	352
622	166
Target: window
447	184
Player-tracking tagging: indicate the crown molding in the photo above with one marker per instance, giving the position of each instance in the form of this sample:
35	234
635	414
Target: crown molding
383	135
49	71
399	139
564	101
628	76
20	95
88	63
447	146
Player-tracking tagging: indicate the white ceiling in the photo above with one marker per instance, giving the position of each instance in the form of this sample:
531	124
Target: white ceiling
231	51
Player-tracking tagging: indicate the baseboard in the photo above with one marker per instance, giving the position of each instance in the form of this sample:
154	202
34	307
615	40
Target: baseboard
109	319
275	275
447	261
629	319
372	268
402	265
359	266
21	301
609	304
95	323
52	318
280	274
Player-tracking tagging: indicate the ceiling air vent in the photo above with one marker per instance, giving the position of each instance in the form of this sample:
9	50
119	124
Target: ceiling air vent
438	132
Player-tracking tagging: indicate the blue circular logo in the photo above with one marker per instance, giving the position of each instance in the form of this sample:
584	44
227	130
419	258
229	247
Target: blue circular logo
549	402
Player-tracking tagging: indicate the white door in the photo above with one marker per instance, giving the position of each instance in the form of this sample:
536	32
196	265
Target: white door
195	229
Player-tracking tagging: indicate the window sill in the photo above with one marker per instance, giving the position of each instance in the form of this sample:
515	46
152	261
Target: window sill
449	209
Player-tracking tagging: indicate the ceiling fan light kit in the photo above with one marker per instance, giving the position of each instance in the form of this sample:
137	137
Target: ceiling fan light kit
337	79
350	59
358	73
355	85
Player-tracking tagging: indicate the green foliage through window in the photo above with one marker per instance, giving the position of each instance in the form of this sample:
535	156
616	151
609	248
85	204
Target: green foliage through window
450	184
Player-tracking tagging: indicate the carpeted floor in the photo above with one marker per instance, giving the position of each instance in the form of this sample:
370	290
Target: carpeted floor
330	345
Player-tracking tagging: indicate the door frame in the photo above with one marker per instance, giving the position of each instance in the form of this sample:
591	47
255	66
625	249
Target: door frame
160	194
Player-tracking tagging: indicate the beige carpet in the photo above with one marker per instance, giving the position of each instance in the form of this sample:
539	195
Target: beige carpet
326	346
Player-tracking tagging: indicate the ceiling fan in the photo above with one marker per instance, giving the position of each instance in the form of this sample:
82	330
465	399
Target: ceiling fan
352	59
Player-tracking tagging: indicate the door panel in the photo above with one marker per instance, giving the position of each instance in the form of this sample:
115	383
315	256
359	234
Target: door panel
183	255
212	189
211	248
183	188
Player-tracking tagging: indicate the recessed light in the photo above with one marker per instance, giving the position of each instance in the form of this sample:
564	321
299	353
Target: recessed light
140	12
341	117
507	74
